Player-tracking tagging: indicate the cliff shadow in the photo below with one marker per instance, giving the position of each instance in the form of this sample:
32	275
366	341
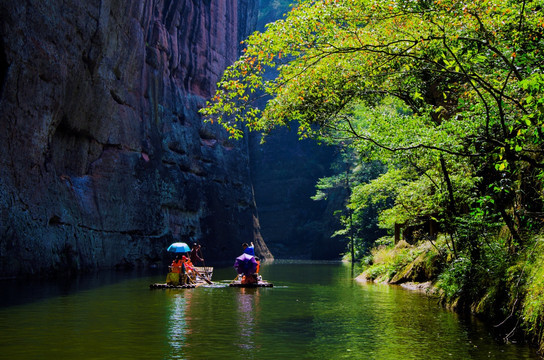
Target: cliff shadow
4	66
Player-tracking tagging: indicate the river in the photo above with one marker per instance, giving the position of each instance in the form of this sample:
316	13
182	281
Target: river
314	311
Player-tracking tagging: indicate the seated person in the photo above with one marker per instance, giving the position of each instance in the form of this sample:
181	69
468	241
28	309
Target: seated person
187	262
177	265
246	267
189	268
252	278
249	279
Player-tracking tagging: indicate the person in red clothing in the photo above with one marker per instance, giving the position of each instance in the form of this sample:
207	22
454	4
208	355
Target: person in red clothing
187	263
189	268
177	265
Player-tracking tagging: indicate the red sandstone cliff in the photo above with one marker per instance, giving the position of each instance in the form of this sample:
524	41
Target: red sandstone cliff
103	158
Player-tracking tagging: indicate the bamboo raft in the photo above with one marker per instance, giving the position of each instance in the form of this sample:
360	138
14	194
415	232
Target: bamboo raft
252	285
168	286
260	283
202	276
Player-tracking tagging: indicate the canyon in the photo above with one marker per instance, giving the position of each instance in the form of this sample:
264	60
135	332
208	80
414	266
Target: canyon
104	158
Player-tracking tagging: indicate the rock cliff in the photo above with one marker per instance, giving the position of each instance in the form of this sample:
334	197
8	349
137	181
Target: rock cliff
294	225
103	158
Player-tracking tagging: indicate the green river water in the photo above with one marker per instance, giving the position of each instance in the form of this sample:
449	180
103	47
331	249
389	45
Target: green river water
314	311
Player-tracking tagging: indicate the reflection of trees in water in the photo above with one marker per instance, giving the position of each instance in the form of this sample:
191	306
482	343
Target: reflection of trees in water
178	328
248	310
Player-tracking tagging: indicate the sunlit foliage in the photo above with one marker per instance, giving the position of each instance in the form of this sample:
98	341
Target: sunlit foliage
449	92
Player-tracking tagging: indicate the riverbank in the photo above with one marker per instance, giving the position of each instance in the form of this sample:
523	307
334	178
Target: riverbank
503	287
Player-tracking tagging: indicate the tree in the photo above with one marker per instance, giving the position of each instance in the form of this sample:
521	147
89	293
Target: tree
360	221
451	91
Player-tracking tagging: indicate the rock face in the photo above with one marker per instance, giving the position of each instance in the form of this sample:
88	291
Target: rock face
284	172
103	158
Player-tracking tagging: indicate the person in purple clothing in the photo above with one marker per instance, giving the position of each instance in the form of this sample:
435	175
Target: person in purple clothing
249	249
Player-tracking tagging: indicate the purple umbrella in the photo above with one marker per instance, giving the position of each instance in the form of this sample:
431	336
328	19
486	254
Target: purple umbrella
245	264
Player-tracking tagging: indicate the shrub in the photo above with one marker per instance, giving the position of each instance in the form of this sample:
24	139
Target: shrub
532	309
388	260
453	280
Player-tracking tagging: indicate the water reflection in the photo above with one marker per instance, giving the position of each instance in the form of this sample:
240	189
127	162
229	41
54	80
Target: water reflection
248	314
178	327
313	312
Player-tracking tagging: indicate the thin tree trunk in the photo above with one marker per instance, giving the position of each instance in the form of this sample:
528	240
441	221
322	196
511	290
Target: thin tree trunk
510	224
451	202
352	245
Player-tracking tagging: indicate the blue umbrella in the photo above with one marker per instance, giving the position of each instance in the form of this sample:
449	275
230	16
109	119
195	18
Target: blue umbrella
179	247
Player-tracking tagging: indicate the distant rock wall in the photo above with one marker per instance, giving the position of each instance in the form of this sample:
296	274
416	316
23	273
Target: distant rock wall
285	171
103	158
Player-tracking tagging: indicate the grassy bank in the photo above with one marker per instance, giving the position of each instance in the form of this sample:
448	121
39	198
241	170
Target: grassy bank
500	283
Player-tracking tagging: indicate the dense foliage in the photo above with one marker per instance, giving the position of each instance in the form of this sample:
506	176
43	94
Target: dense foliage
447	94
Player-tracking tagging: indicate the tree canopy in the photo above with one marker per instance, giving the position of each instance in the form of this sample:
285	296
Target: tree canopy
448	93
